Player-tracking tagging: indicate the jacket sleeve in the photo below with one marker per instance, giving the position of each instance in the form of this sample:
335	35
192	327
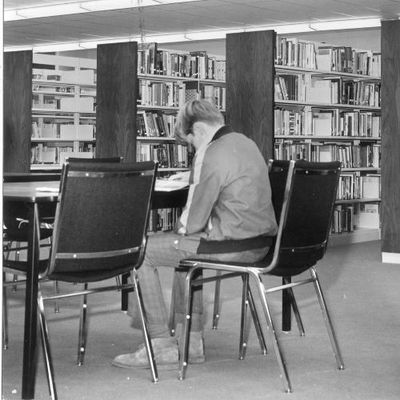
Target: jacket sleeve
203	194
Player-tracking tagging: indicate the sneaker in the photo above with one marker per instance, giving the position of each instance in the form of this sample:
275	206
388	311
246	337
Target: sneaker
196	345
165	353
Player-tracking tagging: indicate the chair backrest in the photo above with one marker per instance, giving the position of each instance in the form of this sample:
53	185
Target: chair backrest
95	160
304	206
101	221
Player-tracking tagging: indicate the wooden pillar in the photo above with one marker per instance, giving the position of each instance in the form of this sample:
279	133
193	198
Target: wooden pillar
250	86
17	100
390	168
116	100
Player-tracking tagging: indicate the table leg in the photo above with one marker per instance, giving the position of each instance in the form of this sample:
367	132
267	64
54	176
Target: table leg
286	308
30	327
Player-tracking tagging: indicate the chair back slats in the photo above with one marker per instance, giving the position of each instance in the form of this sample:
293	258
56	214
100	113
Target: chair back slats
311	198
102	217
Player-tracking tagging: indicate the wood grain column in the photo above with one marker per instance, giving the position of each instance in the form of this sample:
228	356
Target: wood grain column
17	111
390	168
250	86
116	100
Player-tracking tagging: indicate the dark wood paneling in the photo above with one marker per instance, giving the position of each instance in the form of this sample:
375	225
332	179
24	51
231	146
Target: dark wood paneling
17	111
116	100
390	209
250	86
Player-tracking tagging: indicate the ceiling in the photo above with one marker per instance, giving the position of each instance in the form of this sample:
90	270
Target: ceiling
202	15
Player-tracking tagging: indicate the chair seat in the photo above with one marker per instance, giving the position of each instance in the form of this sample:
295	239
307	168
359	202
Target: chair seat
21	234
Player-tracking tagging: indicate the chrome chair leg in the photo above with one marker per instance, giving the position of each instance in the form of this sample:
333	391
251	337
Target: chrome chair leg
82	329
56	291
244	320
146	336
46	349
327	319
171	319
256	321
295	308
270	325
5	318
217	301
184	347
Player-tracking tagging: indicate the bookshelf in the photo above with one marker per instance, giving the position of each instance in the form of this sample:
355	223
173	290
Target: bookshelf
167	79
63	110
390	142
17	111
324	105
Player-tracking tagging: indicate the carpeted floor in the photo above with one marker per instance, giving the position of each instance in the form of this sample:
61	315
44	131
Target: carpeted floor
364	299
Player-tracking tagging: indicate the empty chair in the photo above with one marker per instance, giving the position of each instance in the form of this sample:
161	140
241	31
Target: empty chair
100	232
303	196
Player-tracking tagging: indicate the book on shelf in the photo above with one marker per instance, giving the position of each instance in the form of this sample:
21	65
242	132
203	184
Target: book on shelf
368	216
343	219
371	184
168	155
155	124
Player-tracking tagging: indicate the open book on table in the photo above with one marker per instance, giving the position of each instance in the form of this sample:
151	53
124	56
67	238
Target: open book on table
176	181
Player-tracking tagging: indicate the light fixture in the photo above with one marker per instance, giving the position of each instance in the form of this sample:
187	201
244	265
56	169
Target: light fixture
82	7
346	24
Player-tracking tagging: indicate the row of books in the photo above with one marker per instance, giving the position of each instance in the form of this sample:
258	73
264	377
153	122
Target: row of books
162	94
350	155
347	218
168	155
73	76
215	94
163	219
155	123
69	104
65	131
294	52
352	185
303	88
174	94
195	64
312	121
42	154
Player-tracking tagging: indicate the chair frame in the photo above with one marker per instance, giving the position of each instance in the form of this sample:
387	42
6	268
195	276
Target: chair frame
247	271
132	285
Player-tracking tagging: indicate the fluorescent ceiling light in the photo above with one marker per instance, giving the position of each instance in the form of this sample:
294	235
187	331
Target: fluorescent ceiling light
82	7
346	24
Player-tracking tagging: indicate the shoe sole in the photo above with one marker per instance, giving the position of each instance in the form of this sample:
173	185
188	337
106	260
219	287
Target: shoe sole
160	366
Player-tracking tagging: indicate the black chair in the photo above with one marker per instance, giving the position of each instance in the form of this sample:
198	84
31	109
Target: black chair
15	230
303	205
100	232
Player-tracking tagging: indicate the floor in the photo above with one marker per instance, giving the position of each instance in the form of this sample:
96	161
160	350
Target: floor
364	299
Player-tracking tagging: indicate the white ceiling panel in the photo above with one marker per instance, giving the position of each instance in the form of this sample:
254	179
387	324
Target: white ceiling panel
199	15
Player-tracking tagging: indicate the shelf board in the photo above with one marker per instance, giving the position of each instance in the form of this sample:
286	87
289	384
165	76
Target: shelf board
54	111
42	82
154	77
363	200
156	139
154	107
51	139
279	102
335	74
50	93
329	138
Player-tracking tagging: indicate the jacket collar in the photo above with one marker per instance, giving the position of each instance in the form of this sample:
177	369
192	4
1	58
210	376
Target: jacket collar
224	130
